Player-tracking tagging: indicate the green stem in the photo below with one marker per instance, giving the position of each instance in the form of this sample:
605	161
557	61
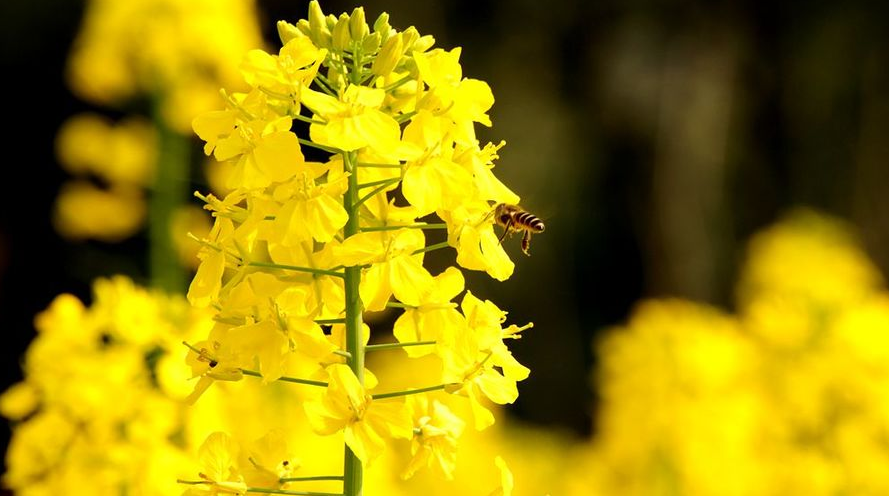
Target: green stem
379	166
412	226
376	190
312	478
396	84
436	246
307	119
288	491
405	117
284	378
325	85
328	149
390	346
168	194
353	471
329	321
376	183
383	396
311	270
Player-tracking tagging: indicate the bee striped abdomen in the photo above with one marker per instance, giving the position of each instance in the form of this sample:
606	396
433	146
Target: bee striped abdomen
530	221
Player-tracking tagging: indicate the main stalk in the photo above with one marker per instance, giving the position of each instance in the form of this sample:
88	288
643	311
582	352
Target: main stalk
353	472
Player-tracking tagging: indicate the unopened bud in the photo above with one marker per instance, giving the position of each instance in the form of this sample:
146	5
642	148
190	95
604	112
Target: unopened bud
287	32
304	28
335	77
409	36
358	24
371	43
423	44
381	25
341	38
388	57
317	23
331	21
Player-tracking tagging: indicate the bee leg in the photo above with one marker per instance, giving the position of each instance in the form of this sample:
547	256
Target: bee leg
506	229
526	243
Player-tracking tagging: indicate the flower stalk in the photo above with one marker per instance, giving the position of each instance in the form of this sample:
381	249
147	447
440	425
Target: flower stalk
168	192
400	154
352	468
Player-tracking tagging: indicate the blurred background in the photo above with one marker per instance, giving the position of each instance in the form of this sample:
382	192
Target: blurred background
654	138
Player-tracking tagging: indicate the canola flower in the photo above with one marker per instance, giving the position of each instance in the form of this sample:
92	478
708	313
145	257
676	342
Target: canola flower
99	411
788	396
300	251
166	58
179	51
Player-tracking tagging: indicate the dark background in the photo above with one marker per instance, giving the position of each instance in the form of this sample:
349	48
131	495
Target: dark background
653	137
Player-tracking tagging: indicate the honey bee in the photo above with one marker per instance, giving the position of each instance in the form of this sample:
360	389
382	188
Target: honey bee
513	218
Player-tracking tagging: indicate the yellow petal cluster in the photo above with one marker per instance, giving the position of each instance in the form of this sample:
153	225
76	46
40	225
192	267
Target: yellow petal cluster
180	51
788	396
97	412
352	149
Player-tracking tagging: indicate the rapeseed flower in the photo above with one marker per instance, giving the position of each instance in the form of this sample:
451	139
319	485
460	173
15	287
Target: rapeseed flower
299	246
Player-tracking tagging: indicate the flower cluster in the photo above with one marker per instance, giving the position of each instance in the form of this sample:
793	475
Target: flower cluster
99	410
112	163
787	397
173	53
180	50
302	250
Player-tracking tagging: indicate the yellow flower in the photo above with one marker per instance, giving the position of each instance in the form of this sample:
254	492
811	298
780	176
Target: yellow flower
215	359
506	479
354	121
267	460
435	318
485	319
469	372
310	210
183	50
218	456
434	181
120	153
464	101
19	401
205	286
471	231
366	423
265	149
434	444
84	211
284	76
395	269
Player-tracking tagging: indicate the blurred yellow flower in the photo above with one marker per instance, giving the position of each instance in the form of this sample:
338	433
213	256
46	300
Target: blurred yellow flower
85	211
180	50
121	152
366	423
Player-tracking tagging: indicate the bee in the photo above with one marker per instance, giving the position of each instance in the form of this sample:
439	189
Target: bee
513	218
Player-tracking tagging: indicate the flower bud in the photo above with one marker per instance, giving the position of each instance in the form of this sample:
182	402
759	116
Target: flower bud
341	38
335	77
409	37
381	25
388	57
358	24
371	43
304	28
423	44
287	32
316	21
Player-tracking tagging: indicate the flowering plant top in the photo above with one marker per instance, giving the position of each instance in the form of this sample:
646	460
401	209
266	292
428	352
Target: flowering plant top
301	250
